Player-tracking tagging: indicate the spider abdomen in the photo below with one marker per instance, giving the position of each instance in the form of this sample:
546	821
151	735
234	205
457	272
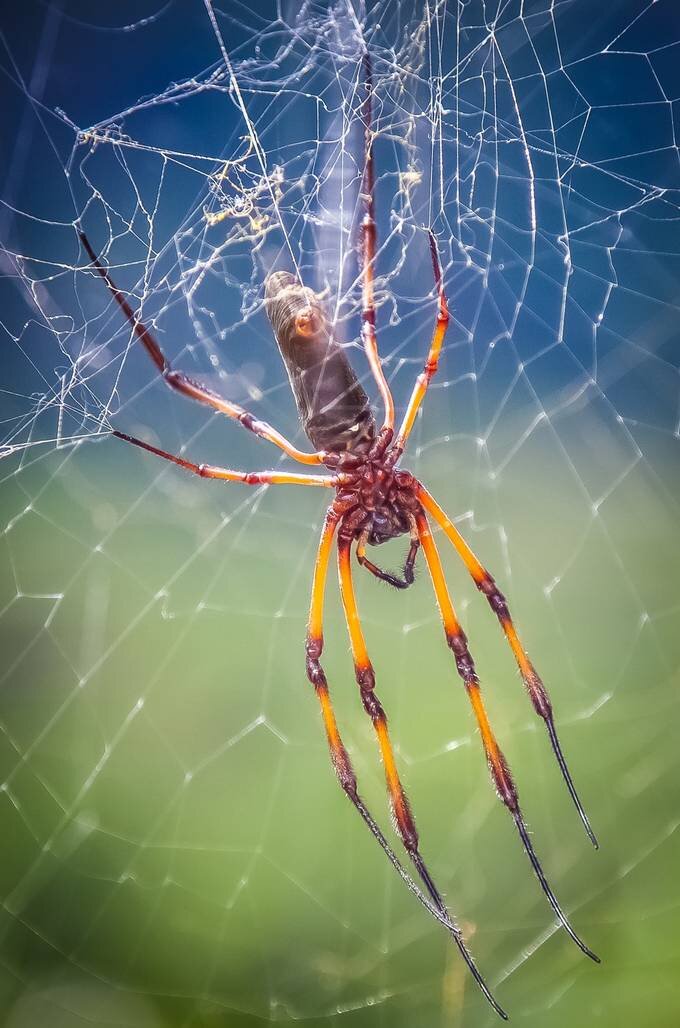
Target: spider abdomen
334	410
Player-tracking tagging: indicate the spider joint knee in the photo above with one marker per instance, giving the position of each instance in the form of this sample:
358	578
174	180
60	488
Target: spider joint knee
539	697
464	662
466	670
314	646
365	678
457	642
496	599
505	787
344	770
247	420
372	705
315	673
406	825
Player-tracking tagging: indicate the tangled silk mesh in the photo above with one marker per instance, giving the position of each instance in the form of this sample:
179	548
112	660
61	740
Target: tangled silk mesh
175	848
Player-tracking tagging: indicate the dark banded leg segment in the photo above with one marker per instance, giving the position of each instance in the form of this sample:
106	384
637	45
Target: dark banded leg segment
532	681
498	766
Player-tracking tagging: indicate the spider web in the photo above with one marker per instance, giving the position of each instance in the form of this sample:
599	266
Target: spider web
169	818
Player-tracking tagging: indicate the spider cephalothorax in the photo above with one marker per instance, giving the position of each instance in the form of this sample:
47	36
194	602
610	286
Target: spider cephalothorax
382	504
374	502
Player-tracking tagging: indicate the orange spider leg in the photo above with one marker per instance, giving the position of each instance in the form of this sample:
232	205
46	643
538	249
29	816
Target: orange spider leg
314	646
182	383
339	755
368	245
498	766
534	686
365	676
432	362
227	475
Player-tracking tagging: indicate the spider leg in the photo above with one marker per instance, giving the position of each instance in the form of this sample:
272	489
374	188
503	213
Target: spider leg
182	383
534	686
432	362
226	475
365	676
385	576
368	246
340	758
498	766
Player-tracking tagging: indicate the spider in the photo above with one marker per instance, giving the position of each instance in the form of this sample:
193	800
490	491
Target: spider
375	500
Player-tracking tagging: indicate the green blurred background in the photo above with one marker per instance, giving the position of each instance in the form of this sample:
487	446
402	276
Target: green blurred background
176	849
